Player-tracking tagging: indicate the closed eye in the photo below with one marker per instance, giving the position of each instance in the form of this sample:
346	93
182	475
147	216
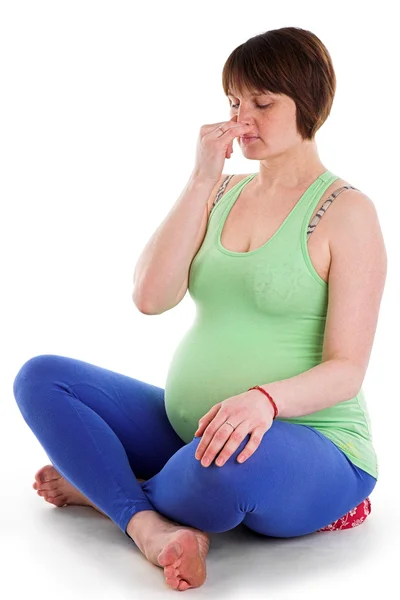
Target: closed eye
258	105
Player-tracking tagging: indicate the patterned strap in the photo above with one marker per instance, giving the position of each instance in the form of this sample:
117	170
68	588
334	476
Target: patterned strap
315	220
318	215
222	189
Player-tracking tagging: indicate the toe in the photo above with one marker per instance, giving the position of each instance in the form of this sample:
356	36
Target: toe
49	493
170	554
183	585
53	484
173	582
170	571
59	501
47	473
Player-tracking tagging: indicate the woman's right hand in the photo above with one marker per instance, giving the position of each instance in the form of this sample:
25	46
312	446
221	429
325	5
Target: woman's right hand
214	145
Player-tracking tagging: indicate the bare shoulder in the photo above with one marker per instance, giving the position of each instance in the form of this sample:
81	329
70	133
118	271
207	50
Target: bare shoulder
349	203
353	217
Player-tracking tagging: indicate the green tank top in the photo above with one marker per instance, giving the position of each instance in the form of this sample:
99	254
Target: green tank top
260	317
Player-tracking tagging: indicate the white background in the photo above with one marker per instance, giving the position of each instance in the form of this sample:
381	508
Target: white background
100	108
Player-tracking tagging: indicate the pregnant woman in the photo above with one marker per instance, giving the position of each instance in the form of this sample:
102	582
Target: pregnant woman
263	420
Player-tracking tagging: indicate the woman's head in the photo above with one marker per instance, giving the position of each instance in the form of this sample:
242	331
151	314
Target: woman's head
294	70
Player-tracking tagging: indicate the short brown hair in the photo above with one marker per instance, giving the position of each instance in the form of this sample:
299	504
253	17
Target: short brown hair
291	61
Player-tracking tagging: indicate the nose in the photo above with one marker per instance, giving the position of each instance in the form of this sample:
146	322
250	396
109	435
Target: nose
244	116
249	123
240	119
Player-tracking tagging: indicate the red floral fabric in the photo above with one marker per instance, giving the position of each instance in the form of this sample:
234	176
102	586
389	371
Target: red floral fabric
353	518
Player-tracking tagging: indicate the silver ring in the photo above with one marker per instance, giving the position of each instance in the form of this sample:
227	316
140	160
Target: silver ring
227	422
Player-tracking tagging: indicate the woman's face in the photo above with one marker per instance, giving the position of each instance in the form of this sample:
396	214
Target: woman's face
272	118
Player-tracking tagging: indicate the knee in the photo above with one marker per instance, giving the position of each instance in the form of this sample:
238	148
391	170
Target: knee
213	475
30	376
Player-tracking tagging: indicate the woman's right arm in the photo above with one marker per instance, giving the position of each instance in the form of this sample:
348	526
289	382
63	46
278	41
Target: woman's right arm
162	270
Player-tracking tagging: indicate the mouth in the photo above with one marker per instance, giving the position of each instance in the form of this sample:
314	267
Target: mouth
248	139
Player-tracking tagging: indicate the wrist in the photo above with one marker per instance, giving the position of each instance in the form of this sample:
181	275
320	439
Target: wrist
269	399
202	181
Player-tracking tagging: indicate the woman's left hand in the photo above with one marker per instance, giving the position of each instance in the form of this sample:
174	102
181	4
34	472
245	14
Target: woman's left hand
249	412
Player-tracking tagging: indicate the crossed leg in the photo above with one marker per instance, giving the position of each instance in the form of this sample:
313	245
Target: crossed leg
102	429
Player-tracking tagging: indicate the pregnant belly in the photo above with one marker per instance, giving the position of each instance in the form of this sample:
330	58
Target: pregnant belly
203	372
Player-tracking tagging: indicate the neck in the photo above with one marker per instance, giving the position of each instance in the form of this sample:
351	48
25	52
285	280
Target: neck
297	167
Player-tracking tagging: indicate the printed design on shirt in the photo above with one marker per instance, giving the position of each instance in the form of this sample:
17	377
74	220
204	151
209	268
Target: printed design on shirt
279	283
348	447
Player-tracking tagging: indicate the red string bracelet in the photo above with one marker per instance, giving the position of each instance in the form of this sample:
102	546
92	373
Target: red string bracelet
257	387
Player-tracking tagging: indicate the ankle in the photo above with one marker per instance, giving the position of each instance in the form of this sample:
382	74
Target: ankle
138	522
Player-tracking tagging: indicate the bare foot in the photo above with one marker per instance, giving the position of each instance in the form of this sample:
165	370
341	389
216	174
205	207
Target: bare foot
179	549
58	491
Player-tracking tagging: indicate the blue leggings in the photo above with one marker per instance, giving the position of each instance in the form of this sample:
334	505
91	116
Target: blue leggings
101	430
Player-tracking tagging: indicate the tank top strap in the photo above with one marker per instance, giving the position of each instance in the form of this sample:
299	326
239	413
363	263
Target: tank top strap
312	196
321	211
222	189
315	191
299	217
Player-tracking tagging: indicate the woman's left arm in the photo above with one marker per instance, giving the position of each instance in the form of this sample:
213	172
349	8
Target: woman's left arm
357	278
